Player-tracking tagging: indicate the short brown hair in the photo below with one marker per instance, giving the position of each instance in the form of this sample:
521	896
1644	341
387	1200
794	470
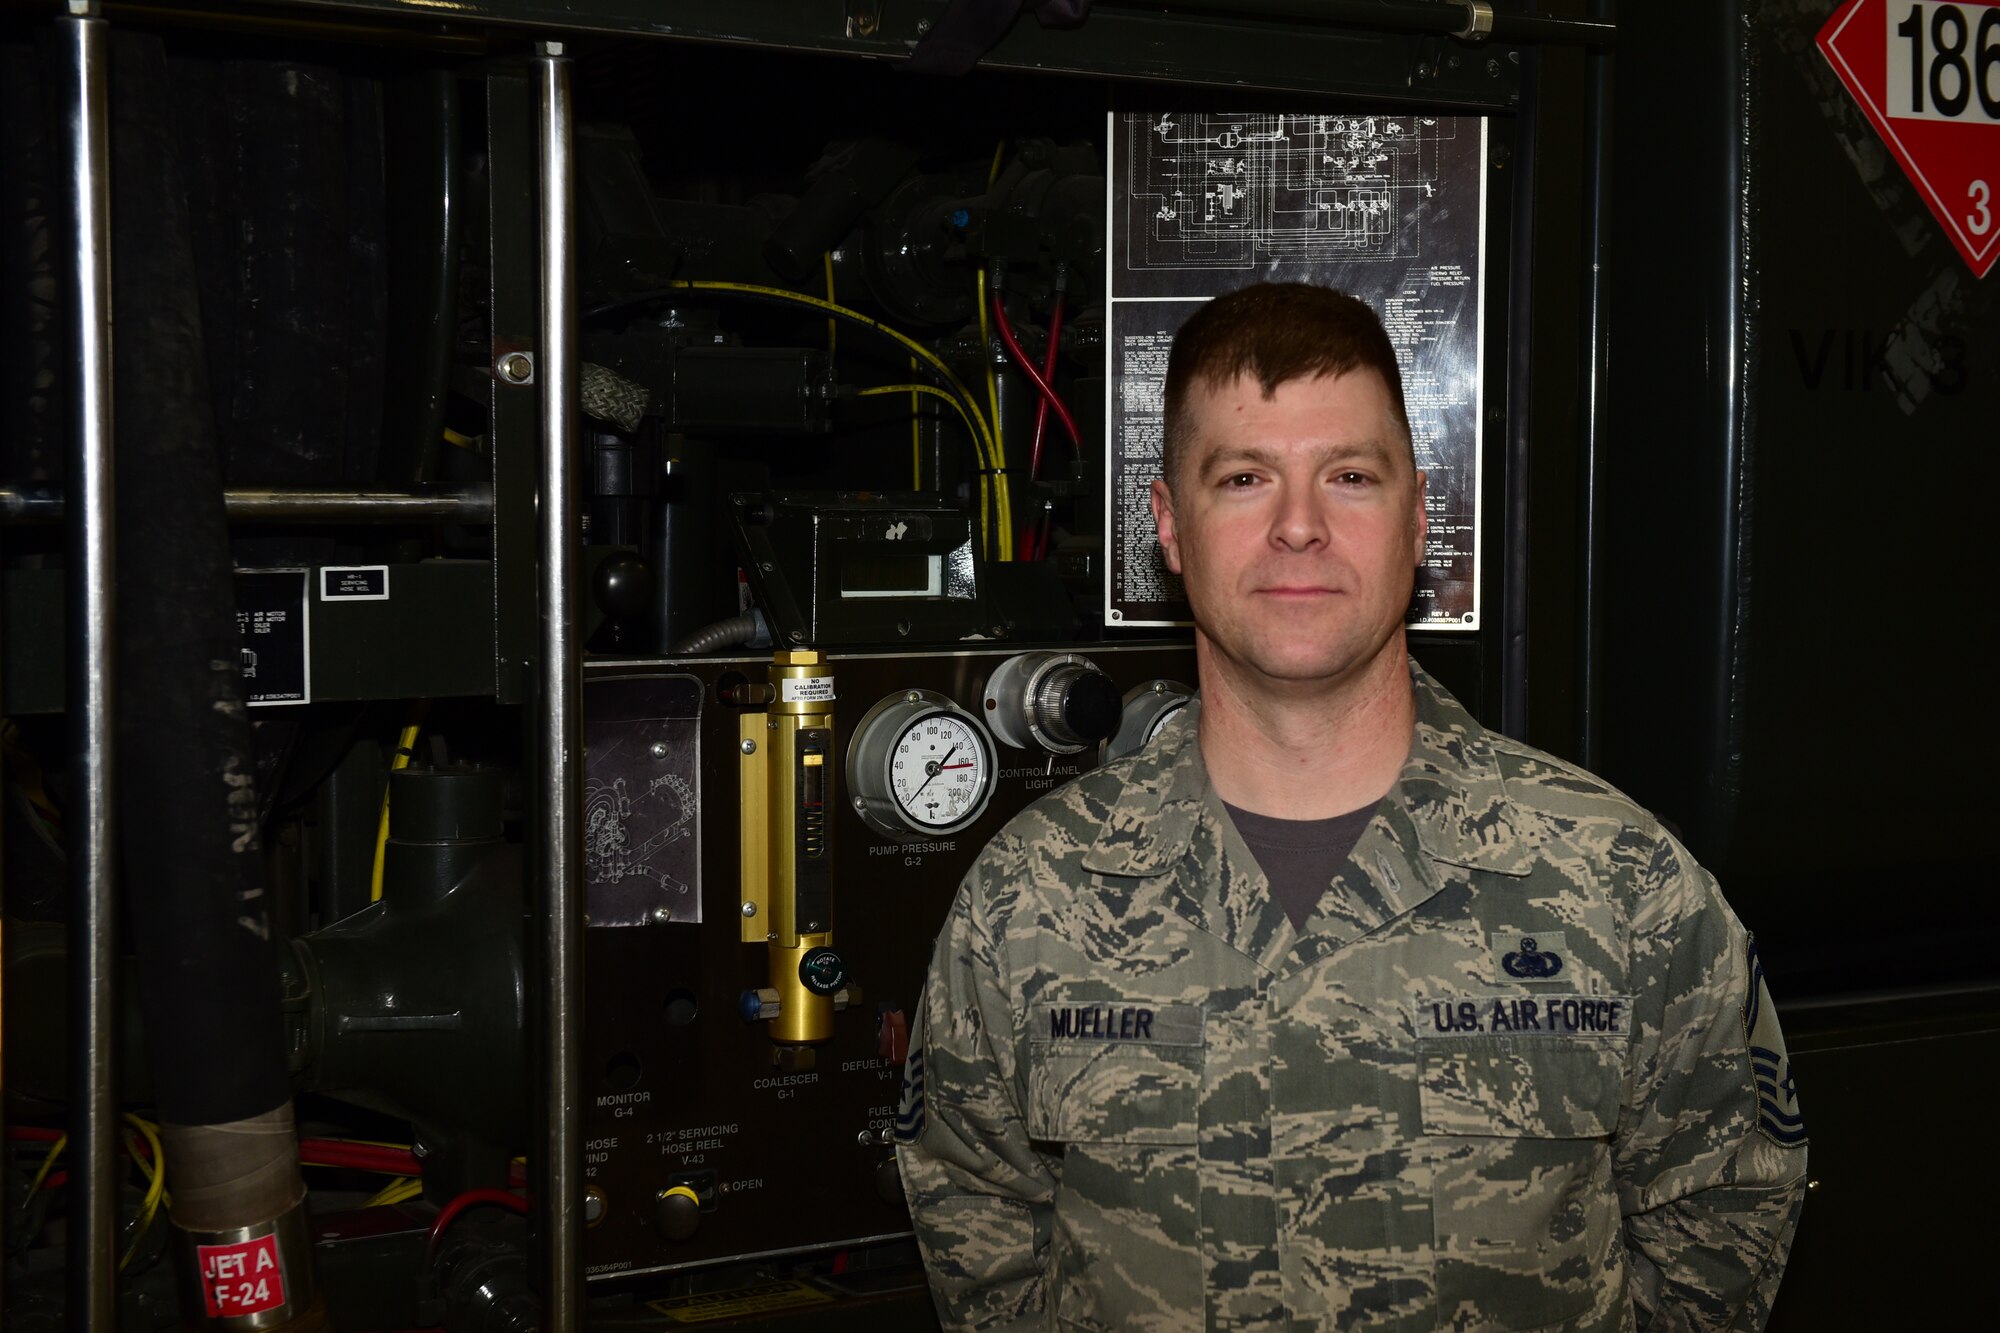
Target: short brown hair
1277	331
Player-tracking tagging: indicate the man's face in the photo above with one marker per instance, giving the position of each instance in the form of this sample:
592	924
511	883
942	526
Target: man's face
1297	523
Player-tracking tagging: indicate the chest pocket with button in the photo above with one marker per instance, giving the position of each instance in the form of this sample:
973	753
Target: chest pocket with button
1527	1229
1125	1248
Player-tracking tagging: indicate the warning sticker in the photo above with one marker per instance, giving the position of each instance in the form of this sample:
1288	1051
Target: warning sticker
806	690
713	1305
240	1279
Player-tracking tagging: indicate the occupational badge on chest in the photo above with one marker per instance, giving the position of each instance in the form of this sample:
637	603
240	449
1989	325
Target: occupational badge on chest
1521	956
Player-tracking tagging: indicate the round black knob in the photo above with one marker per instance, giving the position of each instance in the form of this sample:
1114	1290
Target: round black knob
679	1213
823	971
1078	705
623	584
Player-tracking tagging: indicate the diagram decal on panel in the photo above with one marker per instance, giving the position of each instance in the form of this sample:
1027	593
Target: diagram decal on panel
641	799
1240	191
1388	208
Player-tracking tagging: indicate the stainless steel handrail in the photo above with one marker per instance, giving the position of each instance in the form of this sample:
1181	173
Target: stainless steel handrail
83	80
558	724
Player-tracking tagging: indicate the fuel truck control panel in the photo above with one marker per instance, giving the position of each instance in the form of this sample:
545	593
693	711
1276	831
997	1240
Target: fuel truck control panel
773	844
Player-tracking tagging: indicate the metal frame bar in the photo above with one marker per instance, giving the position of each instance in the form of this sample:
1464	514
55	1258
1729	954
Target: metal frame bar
1460	19
1596	392
83	79
514	257
558	723
1516	588
1394	58
39	502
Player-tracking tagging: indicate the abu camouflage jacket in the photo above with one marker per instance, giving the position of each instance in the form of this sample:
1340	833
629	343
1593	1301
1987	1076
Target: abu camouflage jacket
1519	1072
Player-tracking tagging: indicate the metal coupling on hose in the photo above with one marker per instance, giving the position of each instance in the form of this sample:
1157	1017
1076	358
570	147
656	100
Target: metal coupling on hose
253	1278
1478	21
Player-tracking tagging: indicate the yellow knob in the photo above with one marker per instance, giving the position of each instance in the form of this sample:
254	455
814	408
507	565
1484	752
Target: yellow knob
678	1212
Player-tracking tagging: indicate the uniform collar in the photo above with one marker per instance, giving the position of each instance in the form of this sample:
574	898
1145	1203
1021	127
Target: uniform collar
1449	807
1451	794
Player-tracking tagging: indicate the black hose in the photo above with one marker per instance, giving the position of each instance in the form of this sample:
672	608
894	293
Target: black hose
187	796
731	633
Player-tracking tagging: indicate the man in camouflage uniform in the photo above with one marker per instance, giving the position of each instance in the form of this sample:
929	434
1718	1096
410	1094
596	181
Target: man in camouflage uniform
1497	1056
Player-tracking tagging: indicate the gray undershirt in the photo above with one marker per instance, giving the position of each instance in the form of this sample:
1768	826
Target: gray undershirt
1300	856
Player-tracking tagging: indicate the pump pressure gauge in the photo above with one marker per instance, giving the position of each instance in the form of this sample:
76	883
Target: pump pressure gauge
919	764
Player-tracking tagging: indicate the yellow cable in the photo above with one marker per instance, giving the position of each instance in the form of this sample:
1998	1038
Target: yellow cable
396	1191
48	1165
915	348
156	1176
404	744
993	406
453	437
916	391
156	1184
154	1171
831	325
916	436
983	443
992	393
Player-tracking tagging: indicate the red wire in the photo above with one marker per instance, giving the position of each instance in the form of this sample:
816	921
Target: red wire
1020	355
391	1163
33	1132
374	1157
359	1156
1042	404
312	1152
449	1213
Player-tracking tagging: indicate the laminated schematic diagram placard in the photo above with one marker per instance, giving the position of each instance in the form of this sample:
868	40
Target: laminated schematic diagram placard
1390	209
641	796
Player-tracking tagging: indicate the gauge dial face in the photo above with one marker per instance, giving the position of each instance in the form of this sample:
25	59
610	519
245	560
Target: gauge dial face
1167	715
940	771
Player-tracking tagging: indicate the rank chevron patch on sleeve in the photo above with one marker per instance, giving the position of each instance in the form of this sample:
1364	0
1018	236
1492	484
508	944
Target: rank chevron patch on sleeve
1777	1091
910	1116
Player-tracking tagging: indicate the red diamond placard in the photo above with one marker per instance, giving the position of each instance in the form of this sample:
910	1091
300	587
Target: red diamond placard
1927	76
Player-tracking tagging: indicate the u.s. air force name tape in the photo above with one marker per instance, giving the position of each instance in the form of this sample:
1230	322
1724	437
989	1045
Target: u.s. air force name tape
1522	1016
